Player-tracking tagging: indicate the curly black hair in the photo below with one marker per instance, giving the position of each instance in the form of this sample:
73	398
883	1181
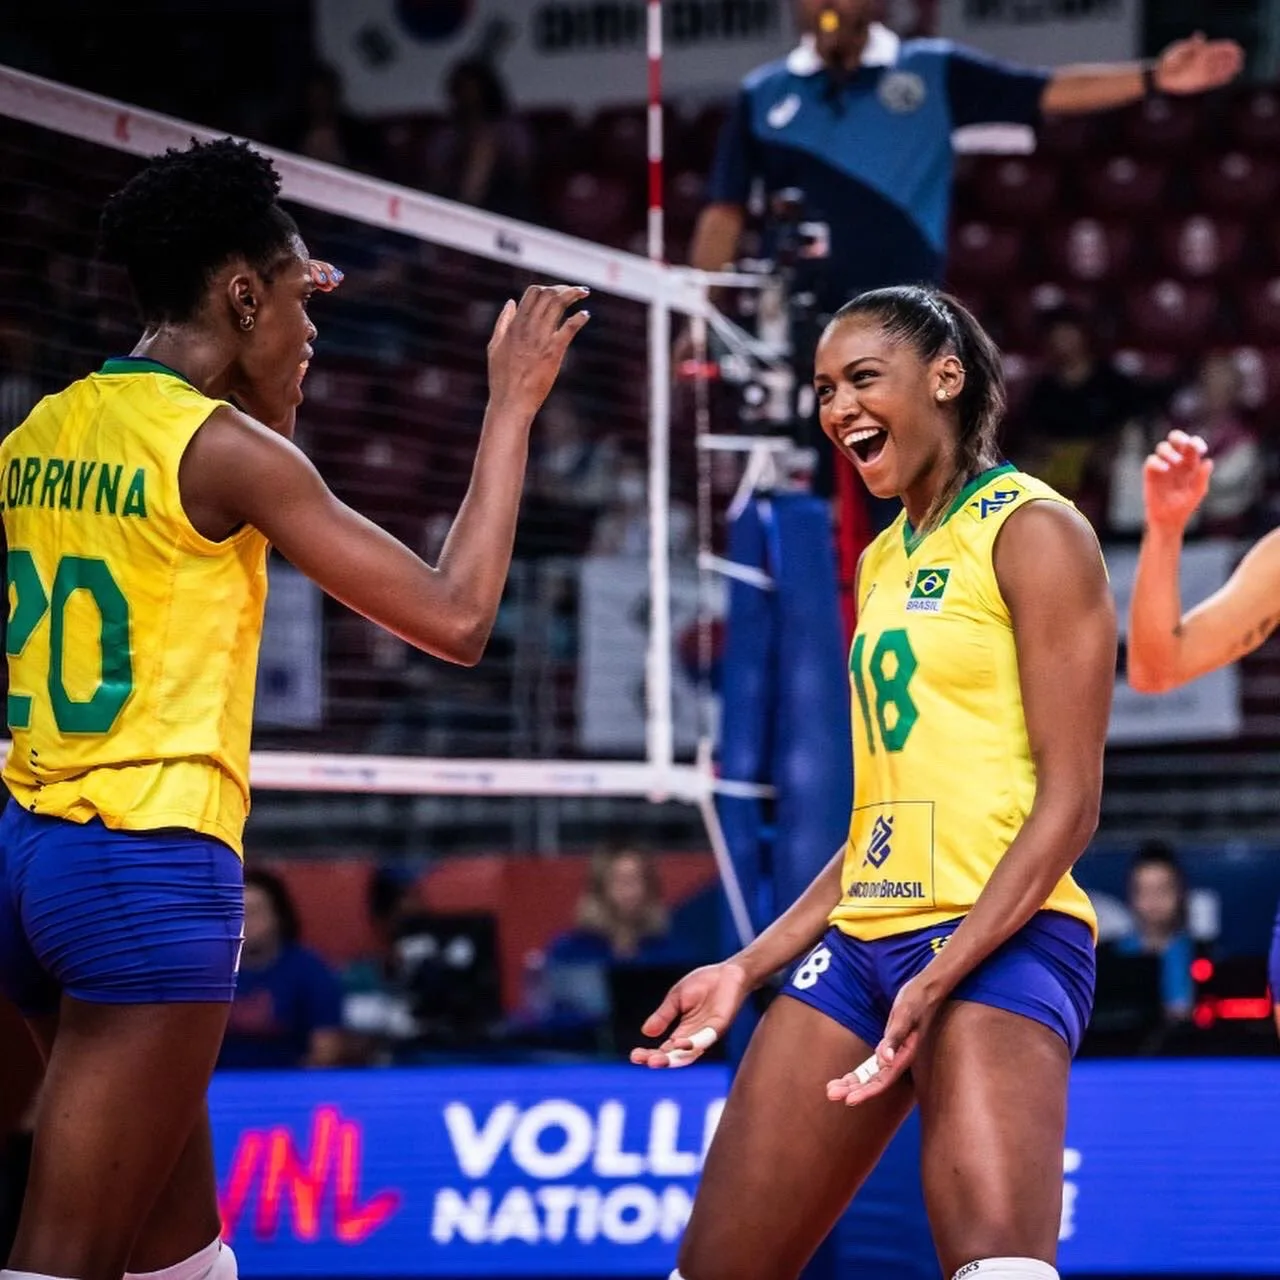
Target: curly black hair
188	213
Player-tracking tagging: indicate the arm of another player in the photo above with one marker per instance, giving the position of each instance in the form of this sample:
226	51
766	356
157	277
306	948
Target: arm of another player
1195	65
1051	575
251	475
1165	647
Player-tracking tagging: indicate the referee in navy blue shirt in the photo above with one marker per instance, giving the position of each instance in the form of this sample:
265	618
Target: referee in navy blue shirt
861	123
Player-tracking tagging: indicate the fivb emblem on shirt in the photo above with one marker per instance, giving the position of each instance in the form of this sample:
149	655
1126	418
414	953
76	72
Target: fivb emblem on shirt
783	112
996	502
927	590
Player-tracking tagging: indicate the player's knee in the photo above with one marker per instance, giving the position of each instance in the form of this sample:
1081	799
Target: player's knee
1006	1269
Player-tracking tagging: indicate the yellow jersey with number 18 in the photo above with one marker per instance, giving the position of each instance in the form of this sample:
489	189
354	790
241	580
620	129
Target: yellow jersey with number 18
943	775
132	640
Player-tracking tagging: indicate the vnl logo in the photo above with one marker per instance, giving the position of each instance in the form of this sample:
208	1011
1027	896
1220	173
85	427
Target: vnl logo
878	847
927	591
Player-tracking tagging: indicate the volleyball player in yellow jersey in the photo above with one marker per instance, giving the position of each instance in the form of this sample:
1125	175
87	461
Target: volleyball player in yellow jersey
138	505
1167	648
951	941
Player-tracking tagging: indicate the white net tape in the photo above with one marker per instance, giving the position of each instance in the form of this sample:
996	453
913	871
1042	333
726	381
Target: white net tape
63	150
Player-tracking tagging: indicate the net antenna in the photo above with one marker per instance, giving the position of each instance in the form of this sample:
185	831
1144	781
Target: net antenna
122	128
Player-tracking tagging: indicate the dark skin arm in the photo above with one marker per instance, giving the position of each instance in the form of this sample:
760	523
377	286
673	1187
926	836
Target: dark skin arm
1052	577
236	471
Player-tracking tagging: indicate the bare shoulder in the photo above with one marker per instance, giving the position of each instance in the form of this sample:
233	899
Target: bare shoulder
1050	541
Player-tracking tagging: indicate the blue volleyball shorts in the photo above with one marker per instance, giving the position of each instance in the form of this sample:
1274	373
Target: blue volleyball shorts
115	917
1045	972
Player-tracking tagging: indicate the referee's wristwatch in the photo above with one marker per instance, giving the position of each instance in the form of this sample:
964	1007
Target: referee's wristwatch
1150	88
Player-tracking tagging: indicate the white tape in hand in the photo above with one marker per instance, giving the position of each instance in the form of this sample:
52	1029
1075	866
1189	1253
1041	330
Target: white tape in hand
701	1041
868	1070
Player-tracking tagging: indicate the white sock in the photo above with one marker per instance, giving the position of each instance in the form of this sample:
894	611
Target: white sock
1006	1269
200	1266
675	1275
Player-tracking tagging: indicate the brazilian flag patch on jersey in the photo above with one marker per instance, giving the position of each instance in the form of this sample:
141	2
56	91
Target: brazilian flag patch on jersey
927	591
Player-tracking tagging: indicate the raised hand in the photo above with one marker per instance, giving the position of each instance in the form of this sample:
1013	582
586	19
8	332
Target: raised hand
529	342
1196	65
702	1005
1175	479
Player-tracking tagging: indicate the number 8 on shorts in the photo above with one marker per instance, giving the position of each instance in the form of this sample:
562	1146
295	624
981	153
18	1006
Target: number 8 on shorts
816	963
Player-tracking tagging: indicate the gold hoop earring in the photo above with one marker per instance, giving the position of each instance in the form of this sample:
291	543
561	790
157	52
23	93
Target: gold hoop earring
247	322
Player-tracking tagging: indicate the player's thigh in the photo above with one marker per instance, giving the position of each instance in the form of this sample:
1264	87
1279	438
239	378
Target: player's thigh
992	1088
123	1091
184	1217
785	1161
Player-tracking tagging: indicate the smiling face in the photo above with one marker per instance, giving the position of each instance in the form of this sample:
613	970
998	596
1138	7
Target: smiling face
878	404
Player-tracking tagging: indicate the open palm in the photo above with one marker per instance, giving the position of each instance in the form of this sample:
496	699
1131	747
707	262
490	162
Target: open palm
1197	65
1175	479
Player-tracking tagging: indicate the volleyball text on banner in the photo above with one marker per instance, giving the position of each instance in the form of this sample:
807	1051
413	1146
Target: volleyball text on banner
394	57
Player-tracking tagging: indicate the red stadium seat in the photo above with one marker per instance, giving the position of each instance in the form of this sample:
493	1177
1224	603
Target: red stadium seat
1239	184
1200	247
1259	305
1124	185
1163	126
1020	374
1065	137
1170	315
1089	251
982	251
594	207
1015	188
1259	376
619	141
1255	120
685	195
1025	309
557	137
1148	366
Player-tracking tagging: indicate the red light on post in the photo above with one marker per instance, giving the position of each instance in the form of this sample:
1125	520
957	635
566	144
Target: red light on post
1203	1015
1202	969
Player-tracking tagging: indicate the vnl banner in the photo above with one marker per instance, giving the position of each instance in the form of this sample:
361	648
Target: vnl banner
590	1171
1045	32
394	55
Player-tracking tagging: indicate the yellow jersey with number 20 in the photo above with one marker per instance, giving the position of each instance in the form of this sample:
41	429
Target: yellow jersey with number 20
943	775
132	640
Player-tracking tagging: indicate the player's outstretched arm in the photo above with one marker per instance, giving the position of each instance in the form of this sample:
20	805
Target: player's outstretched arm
1165	647
237	471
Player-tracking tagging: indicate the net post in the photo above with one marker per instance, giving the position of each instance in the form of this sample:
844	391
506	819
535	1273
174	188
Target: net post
659	742
657	246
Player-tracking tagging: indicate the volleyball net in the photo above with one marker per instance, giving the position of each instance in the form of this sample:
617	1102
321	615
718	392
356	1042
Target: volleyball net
595	702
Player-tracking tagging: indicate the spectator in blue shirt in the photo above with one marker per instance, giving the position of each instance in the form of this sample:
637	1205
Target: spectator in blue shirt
1158	904
288	1006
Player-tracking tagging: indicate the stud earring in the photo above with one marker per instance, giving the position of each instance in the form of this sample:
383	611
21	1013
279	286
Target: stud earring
942	391
247	323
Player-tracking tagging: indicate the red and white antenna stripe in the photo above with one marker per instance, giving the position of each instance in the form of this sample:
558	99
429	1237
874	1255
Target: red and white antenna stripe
657	246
